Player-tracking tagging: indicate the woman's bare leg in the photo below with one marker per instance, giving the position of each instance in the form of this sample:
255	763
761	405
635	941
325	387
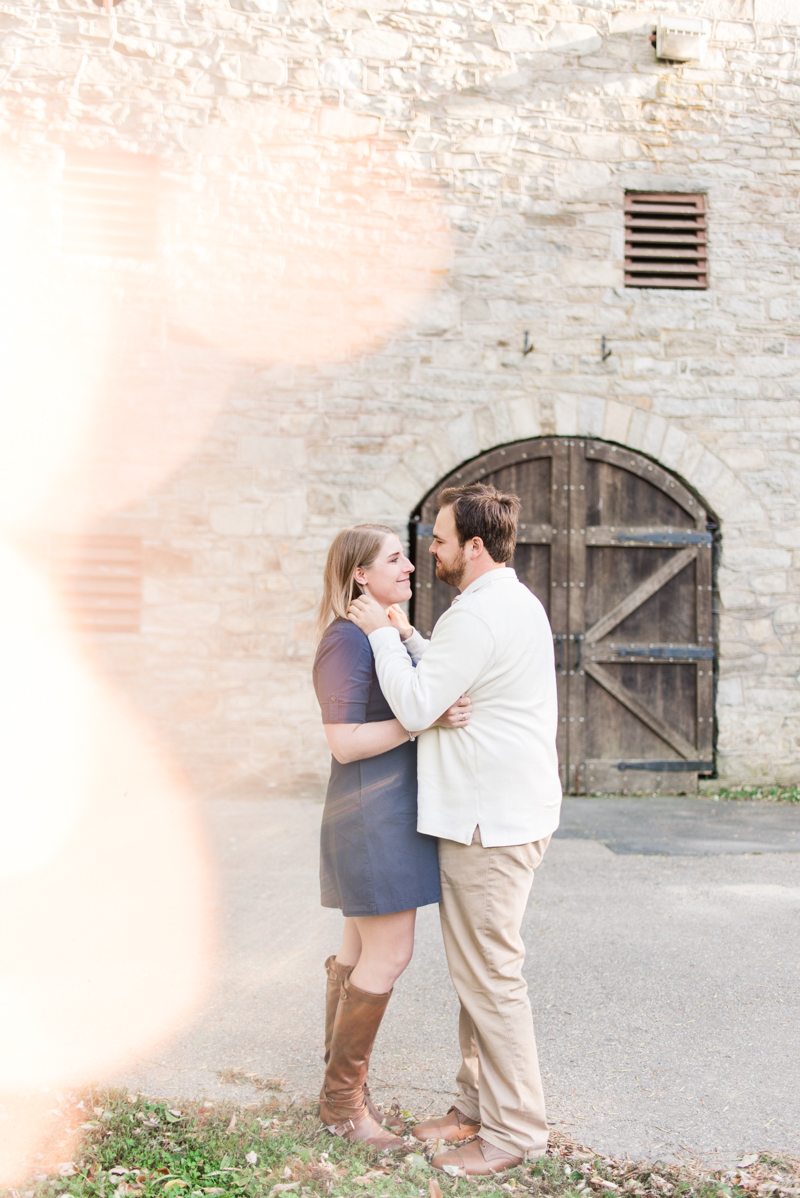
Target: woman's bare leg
387	943
350	951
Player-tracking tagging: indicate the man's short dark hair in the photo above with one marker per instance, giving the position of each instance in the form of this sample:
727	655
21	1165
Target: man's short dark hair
482	511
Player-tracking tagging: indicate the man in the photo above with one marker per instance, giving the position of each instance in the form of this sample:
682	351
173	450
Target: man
491	793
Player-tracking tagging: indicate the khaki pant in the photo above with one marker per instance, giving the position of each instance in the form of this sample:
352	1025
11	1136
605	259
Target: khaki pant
484	895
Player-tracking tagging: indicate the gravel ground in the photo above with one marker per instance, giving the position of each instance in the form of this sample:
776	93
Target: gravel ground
664	988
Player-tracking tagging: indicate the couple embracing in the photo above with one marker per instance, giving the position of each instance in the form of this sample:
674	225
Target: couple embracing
444	789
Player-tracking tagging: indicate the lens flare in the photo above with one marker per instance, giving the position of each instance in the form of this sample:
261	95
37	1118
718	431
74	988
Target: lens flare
111	375
104	889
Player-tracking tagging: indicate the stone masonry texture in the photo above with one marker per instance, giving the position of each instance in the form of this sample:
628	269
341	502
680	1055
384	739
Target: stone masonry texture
362	210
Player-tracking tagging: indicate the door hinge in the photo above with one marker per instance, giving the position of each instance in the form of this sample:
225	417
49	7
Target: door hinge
667	538
668	767
682	651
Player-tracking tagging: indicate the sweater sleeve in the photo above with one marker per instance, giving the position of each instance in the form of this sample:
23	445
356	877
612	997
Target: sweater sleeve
415	646
461	647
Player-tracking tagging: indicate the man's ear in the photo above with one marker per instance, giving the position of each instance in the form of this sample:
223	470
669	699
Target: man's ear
476	547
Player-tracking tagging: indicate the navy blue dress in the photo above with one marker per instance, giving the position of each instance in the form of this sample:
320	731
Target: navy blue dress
373	860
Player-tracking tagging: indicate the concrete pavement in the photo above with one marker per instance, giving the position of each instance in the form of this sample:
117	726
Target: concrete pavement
665	988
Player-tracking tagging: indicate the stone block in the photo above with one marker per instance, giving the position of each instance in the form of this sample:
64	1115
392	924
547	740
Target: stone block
383	44
262	70
346	125
524	413
616	421
233	520
568	37
587	273
591	416
730	692
344	73
518	39
566	412
274	453
776	12
219	140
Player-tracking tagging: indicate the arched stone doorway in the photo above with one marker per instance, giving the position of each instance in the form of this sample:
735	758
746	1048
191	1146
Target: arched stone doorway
619	551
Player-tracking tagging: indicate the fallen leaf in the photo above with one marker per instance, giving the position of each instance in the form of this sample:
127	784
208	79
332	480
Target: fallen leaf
748	1160
251	1158
175	1181
231	1125
450	1170
120	1171
415	1160
67	1169
282	1187
434	1189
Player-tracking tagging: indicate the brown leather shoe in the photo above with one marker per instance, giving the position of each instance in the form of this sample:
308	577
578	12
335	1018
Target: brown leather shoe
337	975
452	1126
476	1159
343	1108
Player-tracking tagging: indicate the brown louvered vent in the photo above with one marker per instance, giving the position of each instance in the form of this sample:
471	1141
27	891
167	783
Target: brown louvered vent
109	204
665	240
100	580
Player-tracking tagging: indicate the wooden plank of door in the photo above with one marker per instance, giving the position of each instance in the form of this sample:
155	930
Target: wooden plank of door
705	671
576	592
654	583
643	713
559	589
626	459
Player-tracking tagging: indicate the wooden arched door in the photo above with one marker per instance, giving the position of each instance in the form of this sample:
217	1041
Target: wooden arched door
619	553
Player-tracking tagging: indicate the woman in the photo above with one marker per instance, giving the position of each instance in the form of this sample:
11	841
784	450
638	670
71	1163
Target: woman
374	866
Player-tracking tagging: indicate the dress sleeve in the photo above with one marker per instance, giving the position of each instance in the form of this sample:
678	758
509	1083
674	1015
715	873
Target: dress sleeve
343	675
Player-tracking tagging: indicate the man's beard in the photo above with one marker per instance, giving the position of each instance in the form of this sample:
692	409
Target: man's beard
453	574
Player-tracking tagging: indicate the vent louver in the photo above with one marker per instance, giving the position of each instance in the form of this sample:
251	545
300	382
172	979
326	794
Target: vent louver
109	204
665	240
100	580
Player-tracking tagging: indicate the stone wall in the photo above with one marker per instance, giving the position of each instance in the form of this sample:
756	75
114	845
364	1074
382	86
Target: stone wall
456	174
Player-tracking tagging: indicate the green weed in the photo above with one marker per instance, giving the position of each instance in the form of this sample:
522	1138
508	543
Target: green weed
136	1147
771	794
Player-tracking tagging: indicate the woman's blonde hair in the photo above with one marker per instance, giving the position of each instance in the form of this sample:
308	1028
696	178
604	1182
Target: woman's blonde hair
352	548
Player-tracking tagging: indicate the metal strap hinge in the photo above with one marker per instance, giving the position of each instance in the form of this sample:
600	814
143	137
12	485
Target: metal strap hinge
677	651
668	767
667	538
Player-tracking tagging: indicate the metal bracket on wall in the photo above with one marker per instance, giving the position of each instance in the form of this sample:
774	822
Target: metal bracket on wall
667	538
605	352
668	767
684	651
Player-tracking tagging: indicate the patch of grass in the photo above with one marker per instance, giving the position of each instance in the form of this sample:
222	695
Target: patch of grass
770	794
136	1147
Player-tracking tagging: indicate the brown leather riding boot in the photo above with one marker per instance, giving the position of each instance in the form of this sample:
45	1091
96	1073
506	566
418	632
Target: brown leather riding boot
337	976
343	1107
